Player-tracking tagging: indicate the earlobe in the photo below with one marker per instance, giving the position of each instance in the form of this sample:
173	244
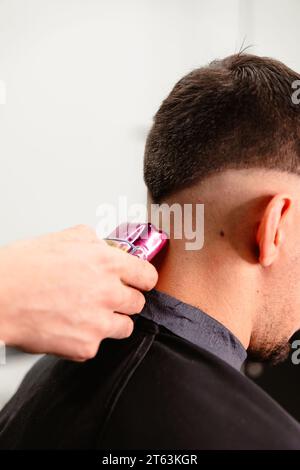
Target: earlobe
271	227
267	259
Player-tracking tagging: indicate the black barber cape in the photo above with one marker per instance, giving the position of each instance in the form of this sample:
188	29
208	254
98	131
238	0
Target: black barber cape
174	384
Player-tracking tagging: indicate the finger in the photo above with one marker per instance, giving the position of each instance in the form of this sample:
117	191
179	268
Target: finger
128	300
121	326
136	272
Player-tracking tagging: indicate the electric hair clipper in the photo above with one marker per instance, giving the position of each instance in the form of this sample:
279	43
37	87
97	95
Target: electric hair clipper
141	240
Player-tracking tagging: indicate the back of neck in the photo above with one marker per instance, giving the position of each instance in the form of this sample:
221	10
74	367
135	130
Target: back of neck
213	284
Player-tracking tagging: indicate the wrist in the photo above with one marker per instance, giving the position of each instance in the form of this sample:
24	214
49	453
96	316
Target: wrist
6	323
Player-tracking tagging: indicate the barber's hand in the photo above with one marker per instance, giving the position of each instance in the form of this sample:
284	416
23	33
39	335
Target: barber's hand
65	292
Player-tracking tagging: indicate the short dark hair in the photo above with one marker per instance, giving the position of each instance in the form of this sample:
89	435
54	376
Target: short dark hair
234	113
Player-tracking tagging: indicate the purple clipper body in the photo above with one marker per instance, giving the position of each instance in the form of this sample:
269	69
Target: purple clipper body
141	240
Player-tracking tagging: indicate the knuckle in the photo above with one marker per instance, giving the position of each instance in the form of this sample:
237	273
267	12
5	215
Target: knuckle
88	350
113	264
139	302
130	327
108	295
127	328
104	294
79	233
104	325
82	228
119	297
85	230
109	261
150	275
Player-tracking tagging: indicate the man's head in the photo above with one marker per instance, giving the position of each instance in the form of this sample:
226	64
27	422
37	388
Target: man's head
228	135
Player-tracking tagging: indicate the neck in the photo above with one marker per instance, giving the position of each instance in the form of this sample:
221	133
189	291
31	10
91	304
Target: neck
210	280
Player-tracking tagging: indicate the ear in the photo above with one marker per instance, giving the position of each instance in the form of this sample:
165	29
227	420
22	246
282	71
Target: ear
271	228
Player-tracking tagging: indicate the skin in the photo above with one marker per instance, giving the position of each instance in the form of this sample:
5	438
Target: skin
247	275
65	292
